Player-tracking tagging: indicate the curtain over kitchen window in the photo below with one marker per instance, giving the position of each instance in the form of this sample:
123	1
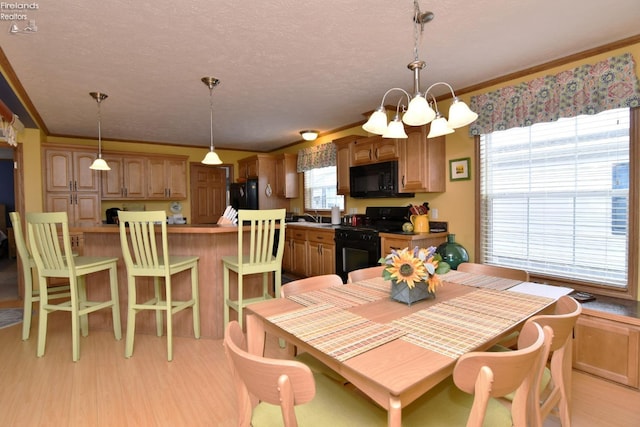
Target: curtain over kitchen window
588	89
318	164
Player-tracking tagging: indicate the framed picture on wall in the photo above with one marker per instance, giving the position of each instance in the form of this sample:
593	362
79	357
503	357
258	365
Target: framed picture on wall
459	169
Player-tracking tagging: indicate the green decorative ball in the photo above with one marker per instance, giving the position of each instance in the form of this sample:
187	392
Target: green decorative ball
407	227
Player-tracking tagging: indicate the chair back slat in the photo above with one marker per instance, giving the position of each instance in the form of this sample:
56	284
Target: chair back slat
21	243
138	240
44	238
264	226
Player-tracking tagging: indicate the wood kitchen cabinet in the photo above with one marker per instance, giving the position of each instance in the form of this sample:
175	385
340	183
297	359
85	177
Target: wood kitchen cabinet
167	178
389	241
297	251
608	346
373	149
321	249
70	186
343	162
248	168
286	176
421	166
126	179
263	167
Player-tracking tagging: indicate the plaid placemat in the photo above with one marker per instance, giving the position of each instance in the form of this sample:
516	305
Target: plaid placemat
377	283
334	331
513	306
459	325
479	280
343	296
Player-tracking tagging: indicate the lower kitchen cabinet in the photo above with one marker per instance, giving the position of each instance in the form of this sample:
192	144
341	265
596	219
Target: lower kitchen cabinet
322	252
608	347
295	252
389	241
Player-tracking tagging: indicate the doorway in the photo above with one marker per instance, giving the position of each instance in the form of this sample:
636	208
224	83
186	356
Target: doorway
209	192
9	287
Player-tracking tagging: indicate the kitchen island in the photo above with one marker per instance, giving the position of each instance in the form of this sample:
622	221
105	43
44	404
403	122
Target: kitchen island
209	242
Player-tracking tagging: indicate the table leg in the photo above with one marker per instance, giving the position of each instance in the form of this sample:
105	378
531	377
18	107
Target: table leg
255	335
394	418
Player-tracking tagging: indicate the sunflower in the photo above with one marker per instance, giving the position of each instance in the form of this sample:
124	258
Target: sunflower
405	267
410	267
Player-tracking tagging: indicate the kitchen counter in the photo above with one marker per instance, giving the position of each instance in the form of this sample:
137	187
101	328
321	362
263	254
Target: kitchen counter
209	242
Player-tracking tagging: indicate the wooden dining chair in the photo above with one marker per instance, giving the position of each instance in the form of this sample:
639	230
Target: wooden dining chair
145	257
552	385
365	273
263	256
28	265
275	392
479	378
55	261
309	284
494	270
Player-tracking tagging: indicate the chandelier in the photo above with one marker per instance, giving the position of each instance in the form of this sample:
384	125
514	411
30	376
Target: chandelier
99	163
212	157
419	110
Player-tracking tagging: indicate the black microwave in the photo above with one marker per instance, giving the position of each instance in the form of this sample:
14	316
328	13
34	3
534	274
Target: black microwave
376	180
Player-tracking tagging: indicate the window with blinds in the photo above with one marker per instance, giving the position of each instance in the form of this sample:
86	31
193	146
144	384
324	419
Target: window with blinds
555	198
320	189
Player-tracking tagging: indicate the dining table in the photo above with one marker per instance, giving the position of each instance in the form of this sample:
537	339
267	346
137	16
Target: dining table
391	351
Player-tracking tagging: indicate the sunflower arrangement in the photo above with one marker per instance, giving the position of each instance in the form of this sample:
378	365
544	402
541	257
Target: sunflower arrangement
414	266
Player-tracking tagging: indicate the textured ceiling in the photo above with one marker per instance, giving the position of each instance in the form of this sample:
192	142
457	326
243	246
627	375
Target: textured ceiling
284	65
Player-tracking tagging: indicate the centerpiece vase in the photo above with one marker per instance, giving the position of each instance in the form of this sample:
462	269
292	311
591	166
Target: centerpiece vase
453	253
402	293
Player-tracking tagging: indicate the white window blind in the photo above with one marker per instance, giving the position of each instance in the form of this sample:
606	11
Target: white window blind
555	197
320	189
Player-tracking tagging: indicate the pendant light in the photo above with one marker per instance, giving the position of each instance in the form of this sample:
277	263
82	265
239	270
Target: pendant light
211	158
419	111
99	163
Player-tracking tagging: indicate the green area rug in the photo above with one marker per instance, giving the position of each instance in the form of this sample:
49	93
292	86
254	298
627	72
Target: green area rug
10	317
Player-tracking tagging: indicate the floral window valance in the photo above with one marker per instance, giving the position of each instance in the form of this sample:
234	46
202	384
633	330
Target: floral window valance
319	156
588	89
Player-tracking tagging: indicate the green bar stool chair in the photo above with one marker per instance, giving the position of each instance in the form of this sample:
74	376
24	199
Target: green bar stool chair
52	260
264	255
143	259
31	294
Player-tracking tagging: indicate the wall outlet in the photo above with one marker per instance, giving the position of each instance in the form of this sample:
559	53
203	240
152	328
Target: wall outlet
434	213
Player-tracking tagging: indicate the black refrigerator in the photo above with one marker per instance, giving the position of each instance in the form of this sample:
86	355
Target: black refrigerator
244	195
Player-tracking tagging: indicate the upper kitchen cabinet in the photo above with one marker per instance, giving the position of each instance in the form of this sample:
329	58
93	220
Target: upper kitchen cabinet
67	169
70	186
422	165
343	162
167	178
126	179
263	167
248	168
286	176
373	149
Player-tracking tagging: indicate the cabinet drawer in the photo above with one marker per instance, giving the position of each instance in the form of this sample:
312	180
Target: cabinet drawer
297	234
321	236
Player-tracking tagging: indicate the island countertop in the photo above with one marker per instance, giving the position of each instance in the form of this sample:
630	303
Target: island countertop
209	242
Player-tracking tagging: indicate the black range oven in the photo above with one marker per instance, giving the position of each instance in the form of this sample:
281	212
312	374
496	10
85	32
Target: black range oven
359	247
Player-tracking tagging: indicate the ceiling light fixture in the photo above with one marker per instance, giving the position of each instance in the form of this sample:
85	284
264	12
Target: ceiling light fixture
309	135
211	158
419	111
99	163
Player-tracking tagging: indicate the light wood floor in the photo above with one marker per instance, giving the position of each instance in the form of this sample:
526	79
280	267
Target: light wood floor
105	389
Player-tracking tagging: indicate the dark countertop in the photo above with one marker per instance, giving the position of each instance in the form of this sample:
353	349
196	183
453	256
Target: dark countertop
613	308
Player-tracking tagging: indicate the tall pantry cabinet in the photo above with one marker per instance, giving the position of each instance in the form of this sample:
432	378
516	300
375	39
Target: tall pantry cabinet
71	186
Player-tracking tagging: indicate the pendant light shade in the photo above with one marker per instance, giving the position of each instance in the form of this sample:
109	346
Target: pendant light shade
211	158
99	163
439	127
395	130
460	114
419	112
377	123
